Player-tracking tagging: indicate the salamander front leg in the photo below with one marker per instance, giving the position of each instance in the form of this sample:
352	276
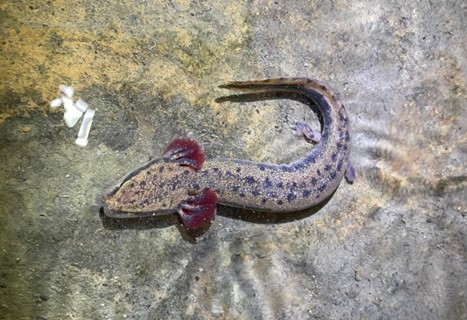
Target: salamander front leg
304	129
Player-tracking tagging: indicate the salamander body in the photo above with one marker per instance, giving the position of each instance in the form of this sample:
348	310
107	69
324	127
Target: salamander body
183	181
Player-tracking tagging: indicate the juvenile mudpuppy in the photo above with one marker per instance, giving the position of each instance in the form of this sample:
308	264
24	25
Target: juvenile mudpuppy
182	181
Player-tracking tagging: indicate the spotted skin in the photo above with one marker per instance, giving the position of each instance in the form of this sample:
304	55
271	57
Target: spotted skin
165	185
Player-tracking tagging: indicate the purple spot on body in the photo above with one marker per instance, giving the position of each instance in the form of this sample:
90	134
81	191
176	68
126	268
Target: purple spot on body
327	167
333	175
255	192
235	188
314	181
261	167
215	169
161	169
318	172
322	187
339	165
238	169
291	197
267	183
306	193
250	179
280	185
280	202
241	194
264	200
142	184
334	157
291	186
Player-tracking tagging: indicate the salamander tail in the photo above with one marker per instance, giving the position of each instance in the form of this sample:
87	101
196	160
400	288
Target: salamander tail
279	84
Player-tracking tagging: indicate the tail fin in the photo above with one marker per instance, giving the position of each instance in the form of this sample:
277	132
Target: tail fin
279	84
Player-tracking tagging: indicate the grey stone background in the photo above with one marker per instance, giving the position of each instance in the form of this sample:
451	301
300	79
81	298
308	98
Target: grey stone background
391	246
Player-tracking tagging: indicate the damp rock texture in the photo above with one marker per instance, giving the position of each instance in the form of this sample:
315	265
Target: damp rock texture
391	246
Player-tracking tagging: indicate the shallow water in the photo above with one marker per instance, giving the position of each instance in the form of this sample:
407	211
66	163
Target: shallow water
390	246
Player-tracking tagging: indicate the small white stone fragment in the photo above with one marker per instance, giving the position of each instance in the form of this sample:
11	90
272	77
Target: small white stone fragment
83	133
67	103
81	105
72	117
72	114
66	90
86	125
74	111
55	103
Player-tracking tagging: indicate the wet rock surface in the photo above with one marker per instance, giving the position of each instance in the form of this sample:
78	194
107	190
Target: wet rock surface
391	246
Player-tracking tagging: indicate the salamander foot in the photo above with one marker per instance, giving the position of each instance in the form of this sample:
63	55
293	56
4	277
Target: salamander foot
304	129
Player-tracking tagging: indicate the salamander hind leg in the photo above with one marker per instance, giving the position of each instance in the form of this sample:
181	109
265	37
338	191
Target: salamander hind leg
304	129
350	173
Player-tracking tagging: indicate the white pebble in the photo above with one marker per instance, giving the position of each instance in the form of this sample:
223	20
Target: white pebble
67	103
55	103
83	133
81	105
66	90
72	116
74	111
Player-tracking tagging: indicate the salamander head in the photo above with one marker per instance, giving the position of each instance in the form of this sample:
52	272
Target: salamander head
160	187
150	190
